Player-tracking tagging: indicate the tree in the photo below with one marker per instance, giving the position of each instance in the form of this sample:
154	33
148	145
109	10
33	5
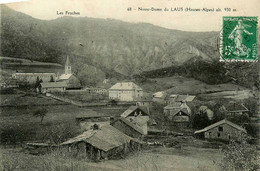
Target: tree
240	156
51	79
59	132
41	113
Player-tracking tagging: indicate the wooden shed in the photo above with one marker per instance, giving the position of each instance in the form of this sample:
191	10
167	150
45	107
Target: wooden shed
102	143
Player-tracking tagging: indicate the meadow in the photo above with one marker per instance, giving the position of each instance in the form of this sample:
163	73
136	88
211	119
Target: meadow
154	159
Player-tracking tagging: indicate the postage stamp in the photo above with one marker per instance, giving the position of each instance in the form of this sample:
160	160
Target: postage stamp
239	39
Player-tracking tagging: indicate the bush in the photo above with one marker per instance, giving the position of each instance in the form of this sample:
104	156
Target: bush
240	156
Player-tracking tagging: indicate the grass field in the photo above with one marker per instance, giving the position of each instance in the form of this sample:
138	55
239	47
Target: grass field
18	123
182	85
155	159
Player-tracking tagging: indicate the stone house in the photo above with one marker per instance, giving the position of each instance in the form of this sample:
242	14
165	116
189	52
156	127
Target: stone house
125	91
222	130
179	117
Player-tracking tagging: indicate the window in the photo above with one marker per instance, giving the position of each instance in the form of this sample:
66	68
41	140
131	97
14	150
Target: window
209	134
220	129
218	134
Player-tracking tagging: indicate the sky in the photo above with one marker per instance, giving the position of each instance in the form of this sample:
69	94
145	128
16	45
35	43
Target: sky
117	9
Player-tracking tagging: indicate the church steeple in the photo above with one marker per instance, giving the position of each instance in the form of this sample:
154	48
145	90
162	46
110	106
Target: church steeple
67	66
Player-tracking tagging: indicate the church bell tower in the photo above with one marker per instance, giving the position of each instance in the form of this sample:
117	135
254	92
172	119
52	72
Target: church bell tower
67	66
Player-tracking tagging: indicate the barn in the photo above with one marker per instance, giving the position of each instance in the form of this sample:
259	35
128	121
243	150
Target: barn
53	87
222	130
102	143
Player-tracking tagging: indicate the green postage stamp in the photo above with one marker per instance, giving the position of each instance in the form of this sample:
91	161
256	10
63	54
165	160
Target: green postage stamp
239	39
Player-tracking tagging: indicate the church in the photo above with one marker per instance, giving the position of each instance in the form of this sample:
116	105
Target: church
71	80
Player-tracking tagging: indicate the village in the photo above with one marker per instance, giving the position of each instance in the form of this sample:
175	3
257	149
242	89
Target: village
127	119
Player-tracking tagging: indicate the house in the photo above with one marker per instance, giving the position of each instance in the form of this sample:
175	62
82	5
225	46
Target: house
101	143
179	98
125	91
68	77
177	116
137	115
159	97
129	128
205	110
53	87
177	105
222	130
133	122
234	109
31	78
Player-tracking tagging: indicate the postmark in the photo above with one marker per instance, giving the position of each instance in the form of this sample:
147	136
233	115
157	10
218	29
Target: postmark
239	39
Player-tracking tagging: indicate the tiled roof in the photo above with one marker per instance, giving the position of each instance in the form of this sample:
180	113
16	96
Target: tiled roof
53	84
39	74
105	138
65	76
80	138
132	109
235	107
173	105
177	110
125	86
224	121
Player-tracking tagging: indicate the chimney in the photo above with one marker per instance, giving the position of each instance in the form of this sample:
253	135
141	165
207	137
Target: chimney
112	119
95	127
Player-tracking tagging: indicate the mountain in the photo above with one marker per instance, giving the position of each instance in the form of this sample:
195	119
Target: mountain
107	45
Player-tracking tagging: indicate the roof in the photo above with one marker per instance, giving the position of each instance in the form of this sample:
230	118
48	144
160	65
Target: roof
81	116
224	121
48	74
67	61
173	105
80	138
53	84
65	76
175	111
125	86
132	109
203	108
144	98
235	107
159	94
186	98
132	125
105	138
